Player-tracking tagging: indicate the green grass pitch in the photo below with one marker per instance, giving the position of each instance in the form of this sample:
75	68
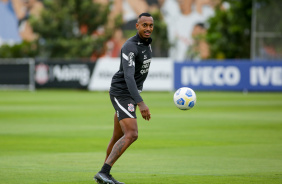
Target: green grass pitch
60	137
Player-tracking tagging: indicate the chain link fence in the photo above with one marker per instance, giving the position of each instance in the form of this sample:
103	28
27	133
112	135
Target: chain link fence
267	30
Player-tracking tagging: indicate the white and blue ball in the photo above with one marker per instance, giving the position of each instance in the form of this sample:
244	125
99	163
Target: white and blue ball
185	98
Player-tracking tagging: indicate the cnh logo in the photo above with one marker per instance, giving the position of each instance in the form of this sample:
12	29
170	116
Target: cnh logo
266	76
209	76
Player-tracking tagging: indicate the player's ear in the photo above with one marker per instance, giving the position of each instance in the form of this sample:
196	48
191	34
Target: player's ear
137	25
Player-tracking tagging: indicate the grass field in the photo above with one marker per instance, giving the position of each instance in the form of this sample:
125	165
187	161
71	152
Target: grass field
60	137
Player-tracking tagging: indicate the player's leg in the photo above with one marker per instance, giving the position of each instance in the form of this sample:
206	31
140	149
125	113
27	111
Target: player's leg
130	130
125	131
130	134
102	176
117	134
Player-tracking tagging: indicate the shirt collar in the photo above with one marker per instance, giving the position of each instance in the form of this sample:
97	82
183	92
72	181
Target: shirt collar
146	42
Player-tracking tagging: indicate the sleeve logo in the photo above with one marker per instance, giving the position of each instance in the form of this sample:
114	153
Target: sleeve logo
129	58
131	61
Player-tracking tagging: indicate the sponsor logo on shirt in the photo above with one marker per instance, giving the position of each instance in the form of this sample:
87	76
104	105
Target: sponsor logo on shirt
145	56
145	66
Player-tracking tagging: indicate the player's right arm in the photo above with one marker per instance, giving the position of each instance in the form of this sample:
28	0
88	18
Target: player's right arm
129	53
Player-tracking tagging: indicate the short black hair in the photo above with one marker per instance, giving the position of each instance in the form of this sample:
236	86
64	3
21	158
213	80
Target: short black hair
201	25
144	14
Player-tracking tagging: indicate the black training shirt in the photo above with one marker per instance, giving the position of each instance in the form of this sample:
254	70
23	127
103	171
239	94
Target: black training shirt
135	61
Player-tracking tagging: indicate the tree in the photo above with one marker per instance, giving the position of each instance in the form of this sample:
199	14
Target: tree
229	34
24	49
160	42
71	29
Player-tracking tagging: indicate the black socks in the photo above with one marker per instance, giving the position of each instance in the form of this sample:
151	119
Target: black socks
106	168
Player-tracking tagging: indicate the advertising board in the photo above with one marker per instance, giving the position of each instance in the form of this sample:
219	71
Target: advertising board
251	76
63	74
160	77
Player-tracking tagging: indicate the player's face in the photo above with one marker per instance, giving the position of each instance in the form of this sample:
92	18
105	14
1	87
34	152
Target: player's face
145	26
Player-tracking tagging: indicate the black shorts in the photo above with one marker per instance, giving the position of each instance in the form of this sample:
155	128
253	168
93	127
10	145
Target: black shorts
125	107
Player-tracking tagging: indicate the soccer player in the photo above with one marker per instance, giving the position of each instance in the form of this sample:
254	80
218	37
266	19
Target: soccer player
126	85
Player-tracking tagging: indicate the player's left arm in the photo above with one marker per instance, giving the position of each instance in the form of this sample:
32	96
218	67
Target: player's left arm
144	110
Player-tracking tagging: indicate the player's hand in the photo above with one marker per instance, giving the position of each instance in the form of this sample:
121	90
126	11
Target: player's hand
144	110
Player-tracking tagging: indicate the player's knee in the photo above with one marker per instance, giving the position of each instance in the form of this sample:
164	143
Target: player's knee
133	136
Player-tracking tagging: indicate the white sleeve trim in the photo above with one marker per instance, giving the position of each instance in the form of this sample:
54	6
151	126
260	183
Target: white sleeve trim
125	56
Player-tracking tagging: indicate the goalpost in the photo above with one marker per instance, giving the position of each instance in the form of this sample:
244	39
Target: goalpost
17	74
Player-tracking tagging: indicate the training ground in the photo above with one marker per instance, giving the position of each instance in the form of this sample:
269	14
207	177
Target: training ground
60	137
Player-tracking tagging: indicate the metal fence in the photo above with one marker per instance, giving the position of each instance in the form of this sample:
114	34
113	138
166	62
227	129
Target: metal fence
266	30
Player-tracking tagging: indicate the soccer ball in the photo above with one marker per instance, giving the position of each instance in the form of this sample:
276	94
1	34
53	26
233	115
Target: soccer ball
184	98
